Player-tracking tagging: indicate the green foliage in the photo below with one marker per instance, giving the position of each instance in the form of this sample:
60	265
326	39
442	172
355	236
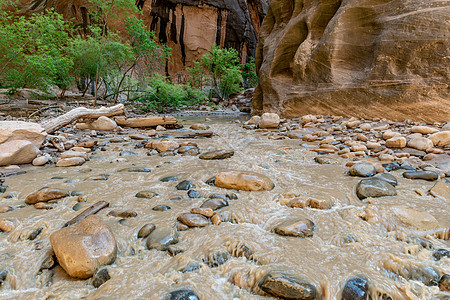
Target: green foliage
34	51
222	66
249	74
162	96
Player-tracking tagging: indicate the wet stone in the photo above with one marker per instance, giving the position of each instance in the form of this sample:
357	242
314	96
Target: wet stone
362	170
162	238
211	181
193	194
182	294
207	212
299	228
136	170
3	188
161	207
146	194
444	283
391	166
45	195
98	177
122	214
168	178
34	234
185	185
101	277
387	177
356	288
425	175
127	153
217	258
193	220
325	160
146	230
287	287
3	275
440	189
440	253
427	275
243	180
174	250
215	203
374	187
219	154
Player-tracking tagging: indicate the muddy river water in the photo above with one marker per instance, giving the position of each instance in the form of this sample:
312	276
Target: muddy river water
385	239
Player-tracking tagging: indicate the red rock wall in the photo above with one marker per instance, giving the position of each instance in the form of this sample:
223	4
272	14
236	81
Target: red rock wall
366	58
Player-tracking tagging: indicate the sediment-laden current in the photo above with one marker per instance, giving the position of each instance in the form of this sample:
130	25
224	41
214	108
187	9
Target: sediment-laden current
390	242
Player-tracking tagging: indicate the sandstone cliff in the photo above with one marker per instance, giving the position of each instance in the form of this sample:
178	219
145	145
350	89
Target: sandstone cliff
190	27
367	58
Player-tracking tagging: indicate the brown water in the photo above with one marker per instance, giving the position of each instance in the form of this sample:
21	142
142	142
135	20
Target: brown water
352	238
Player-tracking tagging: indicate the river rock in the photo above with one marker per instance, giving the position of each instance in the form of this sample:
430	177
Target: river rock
84	247
193	220
146	230
45	195
374	187
185	185
425	175
440	139
243	180
199	126
298	228
25	131
40	160
254	120
444	167
423	129
103	123
165	146
441	189
420	143
218	154
70	154
387	177
101	277
287	287
17	152
269	120
207	212
146	194
396	142
6	225
356	288
214	203
440	253
70	162
122	214
444	283
182	294
162	238
362	170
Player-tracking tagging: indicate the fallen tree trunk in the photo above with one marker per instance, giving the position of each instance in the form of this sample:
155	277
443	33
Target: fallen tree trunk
145	122
87	212
52	125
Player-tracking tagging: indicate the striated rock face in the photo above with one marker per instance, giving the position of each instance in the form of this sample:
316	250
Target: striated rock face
367	58
190	27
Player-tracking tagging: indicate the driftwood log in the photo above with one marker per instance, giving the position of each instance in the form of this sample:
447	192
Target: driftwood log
87	212
81	112
145	122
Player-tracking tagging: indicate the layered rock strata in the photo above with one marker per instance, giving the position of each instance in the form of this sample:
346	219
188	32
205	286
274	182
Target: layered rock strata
366	58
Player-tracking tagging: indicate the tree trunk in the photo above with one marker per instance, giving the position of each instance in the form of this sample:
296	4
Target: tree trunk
52	125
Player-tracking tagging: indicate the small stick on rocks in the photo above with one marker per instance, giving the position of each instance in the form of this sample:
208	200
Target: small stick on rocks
87	212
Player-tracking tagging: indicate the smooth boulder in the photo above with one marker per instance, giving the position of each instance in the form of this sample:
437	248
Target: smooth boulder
269	120
243	180
19	130
17	152
45	195
299	228
440	139
218	154
374	187
356	288
287	287
81	249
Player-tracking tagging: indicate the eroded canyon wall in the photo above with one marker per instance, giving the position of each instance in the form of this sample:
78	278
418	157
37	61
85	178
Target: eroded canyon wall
366	58
191	27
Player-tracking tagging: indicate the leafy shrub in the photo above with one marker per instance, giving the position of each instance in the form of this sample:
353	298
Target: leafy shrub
162	96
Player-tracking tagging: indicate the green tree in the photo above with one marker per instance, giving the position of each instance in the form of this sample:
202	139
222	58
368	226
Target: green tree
34	51
222	66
